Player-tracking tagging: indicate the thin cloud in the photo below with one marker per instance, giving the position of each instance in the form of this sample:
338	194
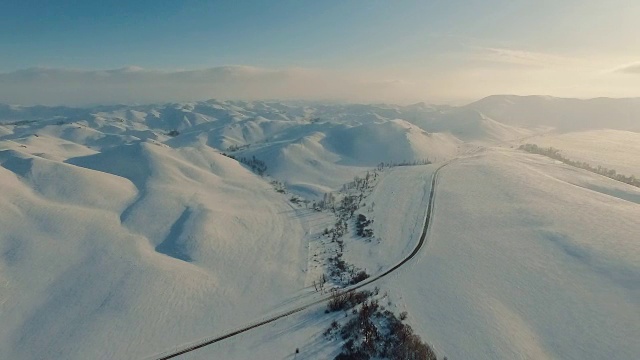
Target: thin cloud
629	68
522	58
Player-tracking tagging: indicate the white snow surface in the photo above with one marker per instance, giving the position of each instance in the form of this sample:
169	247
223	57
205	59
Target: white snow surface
152	248
127	232
523	264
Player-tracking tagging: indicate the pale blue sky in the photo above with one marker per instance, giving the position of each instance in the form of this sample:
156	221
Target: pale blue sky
437	49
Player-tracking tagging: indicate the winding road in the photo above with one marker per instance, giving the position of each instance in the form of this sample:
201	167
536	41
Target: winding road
418	247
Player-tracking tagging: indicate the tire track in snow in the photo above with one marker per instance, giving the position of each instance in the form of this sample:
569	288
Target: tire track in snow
427	222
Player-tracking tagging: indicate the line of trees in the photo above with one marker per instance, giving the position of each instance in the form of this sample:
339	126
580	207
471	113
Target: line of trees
235	147
383	165
555	154
361	183
256	165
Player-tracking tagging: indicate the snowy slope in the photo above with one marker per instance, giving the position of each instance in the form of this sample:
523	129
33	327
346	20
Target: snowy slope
523	264
129	251
612	149
391	141
471	125
401	191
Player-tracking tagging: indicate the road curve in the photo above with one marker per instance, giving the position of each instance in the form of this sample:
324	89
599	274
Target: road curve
418	247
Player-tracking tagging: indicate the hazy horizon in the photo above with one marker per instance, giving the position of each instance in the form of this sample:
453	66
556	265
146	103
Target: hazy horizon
293	100
79	53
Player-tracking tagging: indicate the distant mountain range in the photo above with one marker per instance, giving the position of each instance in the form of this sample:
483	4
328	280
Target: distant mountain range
563	114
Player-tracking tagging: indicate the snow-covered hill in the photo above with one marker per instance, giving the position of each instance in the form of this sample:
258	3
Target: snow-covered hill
128	230
529	259
561	113
310	147
141	246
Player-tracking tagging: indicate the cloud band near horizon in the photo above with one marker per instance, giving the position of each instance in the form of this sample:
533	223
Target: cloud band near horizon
489	71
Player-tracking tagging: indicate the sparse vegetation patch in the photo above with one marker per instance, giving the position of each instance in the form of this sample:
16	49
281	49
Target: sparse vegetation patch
370	331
